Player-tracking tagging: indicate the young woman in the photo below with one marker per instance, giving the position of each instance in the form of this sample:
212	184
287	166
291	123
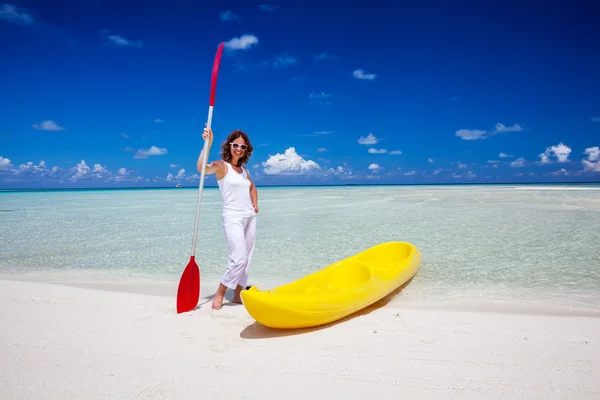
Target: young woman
240	206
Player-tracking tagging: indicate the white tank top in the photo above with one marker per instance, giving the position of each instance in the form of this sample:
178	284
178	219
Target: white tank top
235	192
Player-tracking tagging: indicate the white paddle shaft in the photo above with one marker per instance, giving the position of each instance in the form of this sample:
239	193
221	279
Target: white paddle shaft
205	149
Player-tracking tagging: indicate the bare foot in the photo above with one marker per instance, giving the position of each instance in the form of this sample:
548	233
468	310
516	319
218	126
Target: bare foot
217	302
237	298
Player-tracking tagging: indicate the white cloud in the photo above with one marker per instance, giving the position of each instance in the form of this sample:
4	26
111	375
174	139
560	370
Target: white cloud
504	155
360	74
322	56
289	163
374	166
593	160
470	134
560	151
79	172
30	169
475	134
159	121
595	119
318	133
11	13
395	152
591	166
121	175
83	171
562	171
411	173
429	160
281	61
321	98
519	162
173	166
124	135
123	42
321	150
321	95
376	151
48	125
99	169
593	153
284	60
152	151
339	169
469	174
180	175
370	139
120	41
241	43
5	164
503	128
227	15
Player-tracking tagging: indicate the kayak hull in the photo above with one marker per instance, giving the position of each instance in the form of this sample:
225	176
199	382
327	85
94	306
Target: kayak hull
335	291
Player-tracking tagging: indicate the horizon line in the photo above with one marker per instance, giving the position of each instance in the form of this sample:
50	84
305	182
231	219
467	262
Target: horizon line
29	189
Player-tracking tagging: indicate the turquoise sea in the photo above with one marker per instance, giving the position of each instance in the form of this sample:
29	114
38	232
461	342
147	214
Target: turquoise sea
508	247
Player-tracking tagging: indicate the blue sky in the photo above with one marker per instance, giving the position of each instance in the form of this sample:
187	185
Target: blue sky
99	93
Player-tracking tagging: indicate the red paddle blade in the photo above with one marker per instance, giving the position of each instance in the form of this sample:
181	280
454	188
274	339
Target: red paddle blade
188	291
215	74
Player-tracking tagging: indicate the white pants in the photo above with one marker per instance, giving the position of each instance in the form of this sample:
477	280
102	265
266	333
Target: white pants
240	233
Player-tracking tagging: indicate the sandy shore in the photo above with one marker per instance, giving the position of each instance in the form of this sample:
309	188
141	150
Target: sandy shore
61	342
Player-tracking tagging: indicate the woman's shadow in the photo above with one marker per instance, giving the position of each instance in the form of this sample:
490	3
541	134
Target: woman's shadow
258	331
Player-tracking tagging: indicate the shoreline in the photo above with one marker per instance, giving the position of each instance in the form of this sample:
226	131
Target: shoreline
64	342
528	302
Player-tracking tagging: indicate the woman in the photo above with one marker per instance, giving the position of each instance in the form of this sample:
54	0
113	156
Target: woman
240	206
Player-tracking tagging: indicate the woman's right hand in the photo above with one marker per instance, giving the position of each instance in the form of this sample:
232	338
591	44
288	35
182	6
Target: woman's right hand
208	134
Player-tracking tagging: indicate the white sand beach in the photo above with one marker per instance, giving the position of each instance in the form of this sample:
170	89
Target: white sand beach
62	342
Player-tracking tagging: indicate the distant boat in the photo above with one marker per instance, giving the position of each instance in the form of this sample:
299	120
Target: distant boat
179	185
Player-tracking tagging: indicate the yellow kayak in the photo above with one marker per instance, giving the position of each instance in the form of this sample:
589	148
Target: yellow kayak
337	290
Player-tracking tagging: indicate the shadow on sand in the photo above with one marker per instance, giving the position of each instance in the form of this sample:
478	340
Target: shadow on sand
259	331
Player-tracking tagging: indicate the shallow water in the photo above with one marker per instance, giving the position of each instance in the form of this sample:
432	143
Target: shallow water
495	243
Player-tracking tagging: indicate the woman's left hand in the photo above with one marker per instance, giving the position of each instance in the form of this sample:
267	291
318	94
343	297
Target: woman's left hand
255	208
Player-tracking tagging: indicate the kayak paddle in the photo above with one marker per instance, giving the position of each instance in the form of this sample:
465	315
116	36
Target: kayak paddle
188	291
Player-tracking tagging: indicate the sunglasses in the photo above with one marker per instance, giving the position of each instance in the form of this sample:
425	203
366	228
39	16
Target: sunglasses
237	145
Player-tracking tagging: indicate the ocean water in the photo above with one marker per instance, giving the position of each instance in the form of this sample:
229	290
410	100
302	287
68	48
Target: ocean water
521	246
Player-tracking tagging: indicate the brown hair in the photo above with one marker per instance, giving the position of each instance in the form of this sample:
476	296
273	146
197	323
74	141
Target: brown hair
226	147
